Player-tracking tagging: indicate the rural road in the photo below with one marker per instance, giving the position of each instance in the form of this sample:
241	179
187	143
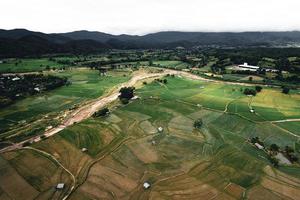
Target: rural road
87	110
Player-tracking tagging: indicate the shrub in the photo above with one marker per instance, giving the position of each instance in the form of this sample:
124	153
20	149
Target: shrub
249	91
25	144
258	88
126	93
274	147
198	123
101	113
285	90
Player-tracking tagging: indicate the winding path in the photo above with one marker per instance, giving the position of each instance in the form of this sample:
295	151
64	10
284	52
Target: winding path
61	165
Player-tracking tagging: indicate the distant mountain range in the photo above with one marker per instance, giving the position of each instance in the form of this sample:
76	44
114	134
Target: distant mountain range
22	42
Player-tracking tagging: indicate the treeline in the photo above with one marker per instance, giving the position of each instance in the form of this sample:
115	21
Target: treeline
254	55
37	46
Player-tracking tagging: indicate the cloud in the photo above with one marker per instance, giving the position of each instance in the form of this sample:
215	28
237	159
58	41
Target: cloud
144	16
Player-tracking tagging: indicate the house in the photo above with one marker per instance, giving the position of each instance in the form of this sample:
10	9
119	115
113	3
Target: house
259	146
15	79
160	129
245	66
252	110
84	149
60	186
146	185
37	89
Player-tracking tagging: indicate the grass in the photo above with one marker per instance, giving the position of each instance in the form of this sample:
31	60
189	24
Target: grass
172	64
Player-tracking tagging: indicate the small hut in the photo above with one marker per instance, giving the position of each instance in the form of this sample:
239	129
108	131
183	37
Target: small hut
146	185
160	129
60	186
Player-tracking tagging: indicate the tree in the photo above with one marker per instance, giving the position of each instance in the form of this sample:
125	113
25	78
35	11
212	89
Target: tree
274	147
126	93
165	81
285	90
101	113
249	91
283	64
198	123
258	88
250	78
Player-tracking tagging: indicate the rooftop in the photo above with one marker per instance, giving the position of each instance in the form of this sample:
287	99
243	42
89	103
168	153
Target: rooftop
60	186
146	185
245	65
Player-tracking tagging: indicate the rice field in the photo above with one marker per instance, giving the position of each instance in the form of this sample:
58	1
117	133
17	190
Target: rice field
126	149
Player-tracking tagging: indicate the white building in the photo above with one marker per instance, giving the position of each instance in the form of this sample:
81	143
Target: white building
60	186
245	66
160	129
15	79
146	185
259	146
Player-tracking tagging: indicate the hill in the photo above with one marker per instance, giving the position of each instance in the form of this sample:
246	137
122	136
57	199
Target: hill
22	42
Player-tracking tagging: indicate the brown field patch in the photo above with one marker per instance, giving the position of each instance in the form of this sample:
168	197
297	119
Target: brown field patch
186	187
13	185
281	188
106	183
181	123
261	193
148	127
113	118
235	190
71	157
143	150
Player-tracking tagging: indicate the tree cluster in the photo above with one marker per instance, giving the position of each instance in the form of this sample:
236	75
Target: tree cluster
249	91
126	93
198	123
101	113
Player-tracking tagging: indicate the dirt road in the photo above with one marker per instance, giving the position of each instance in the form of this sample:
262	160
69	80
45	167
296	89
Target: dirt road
87	110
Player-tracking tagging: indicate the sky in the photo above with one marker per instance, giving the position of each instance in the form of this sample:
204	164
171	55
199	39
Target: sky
139	17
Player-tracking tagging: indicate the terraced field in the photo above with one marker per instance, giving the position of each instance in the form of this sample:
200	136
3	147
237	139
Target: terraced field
126	149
